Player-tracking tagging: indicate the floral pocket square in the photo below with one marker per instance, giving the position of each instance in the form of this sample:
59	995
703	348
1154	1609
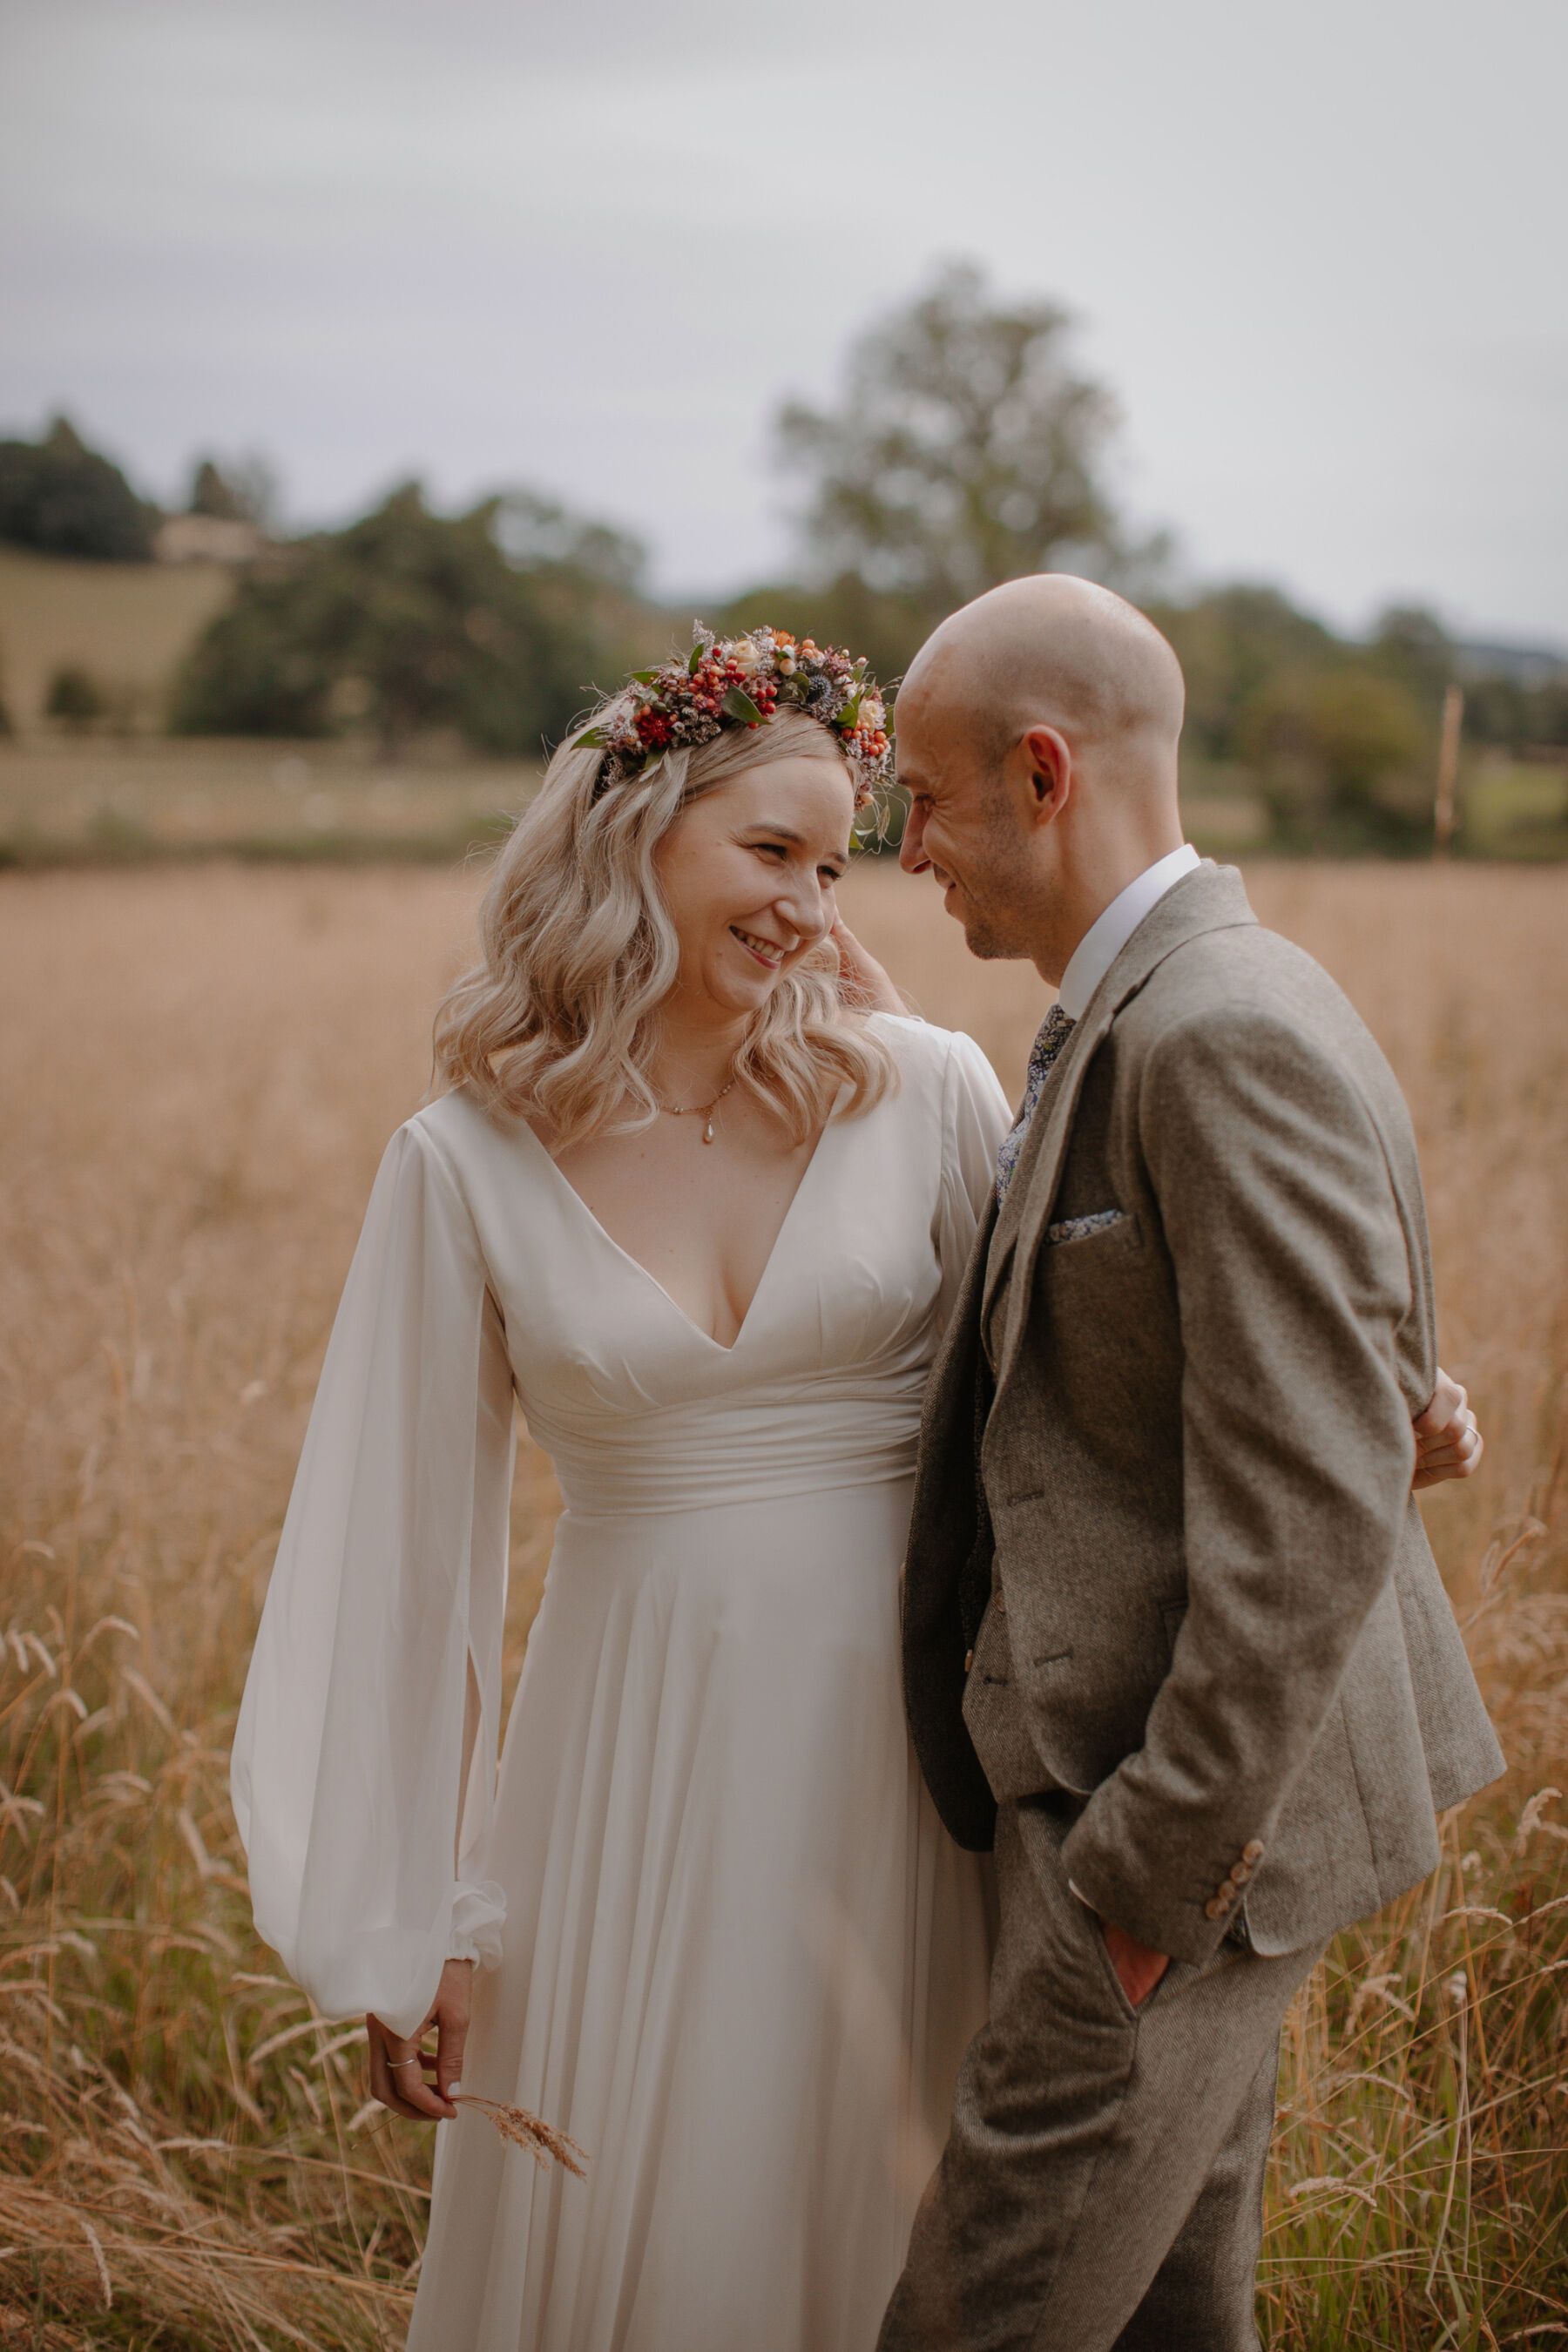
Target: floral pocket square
1073	1229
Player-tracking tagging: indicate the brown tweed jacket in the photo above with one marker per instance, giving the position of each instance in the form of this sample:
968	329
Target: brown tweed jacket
1165	1553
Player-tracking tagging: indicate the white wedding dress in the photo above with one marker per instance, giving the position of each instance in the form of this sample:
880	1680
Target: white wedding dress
739	1957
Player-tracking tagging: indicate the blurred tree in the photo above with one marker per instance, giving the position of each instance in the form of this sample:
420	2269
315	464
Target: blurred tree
62	499
76	698
1526	716
965	451
1410	644
409	620
1547	717
1230	642
240	491
539	537
1342	757
211	495
1497	710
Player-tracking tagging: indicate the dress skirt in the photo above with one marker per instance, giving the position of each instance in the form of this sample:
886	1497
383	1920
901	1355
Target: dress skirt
742	1957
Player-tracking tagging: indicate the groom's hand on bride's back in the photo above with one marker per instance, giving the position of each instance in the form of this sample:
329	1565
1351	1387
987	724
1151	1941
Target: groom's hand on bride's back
1448	1443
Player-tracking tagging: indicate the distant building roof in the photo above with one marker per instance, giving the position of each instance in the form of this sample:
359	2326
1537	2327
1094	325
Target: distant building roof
206	539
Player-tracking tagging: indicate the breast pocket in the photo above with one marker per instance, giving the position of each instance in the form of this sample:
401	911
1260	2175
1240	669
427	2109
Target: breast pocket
1078	1229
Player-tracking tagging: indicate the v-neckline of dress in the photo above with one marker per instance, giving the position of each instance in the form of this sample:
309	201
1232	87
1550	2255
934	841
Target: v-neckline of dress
648	1276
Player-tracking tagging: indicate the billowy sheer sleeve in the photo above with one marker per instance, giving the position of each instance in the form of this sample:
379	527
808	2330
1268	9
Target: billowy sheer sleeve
975	1119
372	1710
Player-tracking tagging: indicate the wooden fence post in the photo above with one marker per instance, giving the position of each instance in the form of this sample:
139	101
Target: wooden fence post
1447	770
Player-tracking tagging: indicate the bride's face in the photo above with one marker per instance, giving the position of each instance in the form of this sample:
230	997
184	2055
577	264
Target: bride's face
748	874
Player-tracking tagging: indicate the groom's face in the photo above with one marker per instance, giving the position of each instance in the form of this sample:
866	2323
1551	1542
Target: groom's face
960	827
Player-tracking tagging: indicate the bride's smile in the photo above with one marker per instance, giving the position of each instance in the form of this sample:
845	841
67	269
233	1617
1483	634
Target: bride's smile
765	952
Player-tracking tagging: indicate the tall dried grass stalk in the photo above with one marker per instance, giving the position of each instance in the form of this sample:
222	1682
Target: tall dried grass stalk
519	2129
197	1076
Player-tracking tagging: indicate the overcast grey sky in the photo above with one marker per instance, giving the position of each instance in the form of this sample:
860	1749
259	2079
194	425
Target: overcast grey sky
1316	252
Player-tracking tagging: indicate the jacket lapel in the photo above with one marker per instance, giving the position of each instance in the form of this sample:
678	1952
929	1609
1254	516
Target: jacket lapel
1211	898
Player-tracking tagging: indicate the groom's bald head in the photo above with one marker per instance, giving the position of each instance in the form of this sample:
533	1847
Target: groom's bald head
1057	652
1036	735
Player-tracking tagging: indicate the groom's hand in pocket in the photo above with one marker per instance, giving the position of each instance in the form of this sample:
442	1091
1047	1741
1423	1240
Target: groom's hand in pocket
1139	1967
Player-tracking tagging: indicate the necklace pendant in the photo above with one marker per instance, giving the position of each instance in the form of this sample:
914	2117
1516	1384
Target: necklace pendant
708	1130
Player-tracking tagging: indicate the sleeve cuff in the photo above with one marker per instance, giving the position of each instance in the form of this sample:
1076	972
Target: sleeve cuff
479	1918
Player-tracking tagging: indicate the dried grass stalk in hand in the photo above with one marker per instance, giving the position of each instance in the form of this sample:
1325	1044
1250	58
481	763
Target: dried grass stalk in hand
542	2141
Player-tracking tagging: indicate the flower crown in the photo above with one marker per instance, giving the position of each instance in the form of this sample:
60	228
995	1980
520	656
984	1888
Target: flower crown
741	682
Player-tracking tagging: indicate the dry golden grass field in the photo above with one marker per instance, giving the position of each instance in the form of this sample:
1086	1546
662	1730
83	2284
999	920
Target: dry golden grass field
200	1066
87	801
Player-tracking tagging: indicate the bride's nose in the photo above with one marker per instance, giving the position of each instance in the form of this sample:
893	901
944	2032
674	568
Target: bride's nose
803	904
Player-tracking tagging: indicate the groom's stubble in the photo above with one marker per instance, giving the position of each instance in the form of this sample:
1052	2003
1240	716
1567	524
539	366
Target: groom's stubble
1001	905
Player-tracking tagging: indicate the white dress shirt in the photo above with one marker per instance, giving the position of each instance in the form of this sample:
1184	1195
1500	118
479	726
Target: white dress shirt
1110	933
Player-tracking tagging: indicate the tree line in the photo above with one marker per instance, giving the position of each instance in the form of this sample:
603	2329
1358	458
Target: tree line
965	448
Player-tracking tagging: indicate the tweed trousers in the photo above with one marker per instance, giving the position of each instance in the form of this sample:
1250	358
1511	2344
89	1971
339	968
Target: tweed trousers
1102	2187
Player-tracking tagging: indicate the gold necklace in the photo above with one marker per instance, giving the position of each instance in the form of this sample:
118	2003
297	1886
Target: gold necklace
698	1110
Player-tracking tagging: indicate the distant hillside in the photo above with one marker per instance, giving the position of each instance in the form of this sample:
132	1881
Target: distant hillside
127	626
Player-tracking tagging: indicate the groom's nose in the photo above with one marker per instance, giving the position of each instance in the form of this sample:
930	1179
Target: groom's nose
911	856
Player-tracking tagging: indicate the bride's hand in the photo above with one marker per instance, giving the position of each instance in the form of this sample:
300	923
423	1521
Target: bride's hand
1448	1443
862	982
398	2068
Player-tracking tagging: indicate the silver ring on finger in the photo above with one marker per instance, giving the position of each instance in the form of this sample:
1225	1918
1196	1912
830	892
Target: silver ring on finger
402	2062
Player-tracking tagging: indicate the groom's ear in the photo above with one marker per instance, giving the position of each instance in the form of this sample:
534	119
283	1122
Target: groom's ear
1050	771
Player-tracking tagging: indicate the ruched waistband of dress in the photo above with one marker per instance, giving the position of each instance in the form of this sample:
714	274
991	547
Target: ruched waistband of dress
617	1482
603	1507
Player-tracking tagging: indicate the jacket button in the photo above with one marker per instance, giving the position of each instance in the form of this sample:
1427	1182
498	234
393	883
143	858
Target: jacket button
1240	1872
1252	1850
1000	1598
968	1660
1216	1908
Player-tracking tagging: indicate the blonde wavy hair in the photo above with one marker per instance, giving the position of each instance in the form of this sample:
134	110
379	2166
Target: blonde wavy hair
558	1023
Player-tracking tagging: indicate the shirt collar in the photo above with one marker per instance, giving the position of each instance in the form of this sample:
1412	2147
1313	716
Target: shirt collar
1111	930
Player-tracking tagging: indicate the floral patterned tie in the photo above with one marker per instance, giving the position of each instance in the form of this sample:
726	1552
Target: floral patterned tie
1055	1030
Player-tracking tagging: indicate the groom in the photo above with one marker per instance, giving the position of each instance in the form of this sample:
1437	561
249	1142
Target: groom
1174	1643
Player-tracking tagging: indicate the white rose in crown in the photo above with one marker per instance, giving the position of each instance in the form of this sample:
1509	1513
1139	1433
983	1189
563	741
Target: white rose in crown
872	713
746	651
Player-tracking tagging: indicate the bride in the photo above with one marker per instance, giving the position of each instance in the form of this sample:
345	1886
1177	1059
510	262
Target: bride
704	1222
702	1215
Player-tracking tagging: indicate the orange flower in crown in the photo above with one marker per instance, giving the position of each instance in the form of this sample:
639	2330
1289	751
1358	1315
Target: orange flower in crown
741	682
